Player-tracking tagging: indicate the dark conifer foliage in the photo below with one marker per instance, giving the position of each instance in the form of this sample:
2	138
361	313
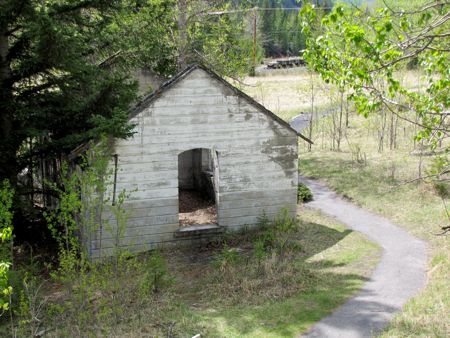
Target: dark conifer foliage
57	87
280	26
64	74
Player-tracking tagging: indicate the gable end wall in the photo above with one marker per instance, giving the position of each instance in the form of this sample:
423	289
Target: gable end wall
258	162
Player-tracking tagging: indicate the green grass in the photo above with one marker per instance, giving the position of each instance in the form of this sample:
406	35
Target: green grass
279	295
379	186
288	93
334	254
337	262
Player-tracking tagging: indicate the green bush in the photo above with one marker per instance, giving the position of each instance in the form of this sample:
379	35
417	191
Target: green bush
6	200
274	237
157	275
304	194
226	259
442	189
260	250
263	221
284	223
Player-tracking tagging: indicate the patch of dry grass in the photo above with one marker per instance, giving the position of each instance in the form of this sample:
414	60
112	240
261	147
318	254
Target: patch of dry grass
283	296
288	93
242	289
379	185
273	282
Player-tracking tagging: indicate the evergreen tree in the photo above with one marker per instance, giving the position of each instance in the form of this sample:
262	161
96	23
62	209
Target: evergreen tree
217	36
279	28
57	88
64	68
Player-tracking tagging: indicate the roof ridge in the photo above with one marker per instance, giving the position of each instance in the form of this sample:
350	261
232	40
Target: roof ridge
177	77
139	107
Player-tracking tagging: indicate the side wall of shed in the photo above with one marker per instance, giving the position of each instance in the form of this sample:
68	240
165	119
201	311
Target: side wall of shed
258	163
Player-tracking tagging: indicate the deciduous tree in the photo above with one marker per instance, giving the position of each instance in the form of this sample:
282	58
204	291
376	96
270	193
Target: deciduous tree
361	50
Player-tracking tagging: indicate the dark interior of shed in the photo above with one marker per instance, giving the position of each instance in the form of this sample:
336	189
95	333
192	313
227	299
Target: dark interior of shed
196	193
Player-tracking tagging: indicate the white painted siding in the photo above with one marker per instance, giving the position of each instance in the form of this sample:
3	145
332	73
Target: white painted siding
257	161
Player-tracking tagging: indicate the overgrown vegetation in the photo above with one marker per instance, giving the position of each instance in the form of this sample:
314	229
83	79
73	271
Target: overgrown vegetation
362	53
64	80
6	241
396	161
267	272
65	76
304	193
276	279
276	268
381	165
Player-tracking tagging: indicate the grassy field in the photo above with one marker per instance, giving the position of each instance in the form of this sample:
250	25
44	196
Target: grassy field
333	263
287	93
379	185
375	179
241	288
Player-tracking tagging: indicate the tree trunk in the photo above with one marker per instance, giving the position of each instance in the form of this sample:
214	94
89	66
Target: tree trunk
392	133
346	112
312	111
8	161
182	31
382	131
341	112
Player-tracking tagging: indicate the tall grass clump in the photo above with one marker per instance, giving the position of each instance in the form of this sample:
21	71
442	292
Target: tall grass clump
267	269
81	296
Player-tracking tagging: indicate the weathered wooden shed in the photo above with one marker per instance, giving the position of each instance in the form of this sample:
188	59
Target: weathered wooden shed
198	132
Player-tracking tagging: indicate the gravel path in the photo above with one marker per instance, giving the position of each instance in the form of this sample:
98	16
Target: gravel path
399	275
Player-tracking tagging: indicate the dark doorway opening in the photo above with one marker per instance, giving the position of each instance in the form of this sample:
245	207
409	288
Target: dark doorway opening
198	187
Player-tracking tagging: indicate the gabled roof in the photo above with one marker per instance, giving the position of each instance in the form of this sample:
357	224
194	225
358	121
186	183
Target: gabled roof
183	74
144	103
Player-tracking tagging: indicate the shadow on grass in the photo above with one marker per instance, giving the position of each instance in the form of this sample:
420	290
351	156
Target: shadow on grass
287	317
316	238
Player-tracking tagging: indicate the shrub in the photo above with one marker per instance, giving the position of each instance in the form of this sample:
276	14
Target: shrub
260	250
442	189
226	259
304	194
6	199
284	222
157	274
263	221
